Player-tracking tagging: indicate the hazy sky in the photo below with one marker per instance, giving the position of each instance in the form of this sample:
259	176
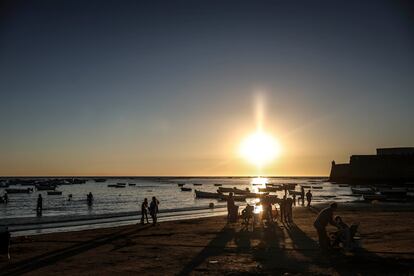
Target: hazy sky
169	87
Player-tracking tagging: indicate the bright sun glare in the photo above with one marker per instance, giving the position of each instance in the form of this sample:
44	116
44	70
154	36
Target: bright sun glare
260	148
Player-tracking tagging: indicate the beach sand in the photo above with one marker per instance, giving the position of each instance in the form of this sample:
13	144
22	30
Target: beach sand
210	246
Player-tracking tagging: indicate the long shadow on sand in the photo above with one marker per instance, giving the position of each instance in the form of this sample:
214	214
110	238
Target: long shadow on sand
50	258
215	247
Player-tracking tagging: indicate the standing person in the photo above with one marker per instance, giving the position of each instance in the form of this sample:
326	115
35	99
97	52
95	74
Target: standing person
288	209
282	205
309	197
302	195
294	199
230	207
324	217
5	242
144	211
39	206
6	198
153	209
89	198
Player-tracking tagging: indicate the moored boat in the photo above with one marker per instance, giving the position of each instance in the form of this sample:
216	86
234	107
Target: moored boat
184	189
132	184
378	197
19	191
218	185
180	184
54	192
362	191
100	179
197	184
225	190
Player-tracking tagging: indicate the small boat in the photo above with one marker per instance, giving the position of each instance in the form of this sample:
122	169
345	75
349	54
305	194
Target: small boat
362	191
197	184
305	186
378	197
241	192
218	185
100	179
132	184
121	184
54	192
201	194
343	185
317	187
291	192
19	191
184	189
112	185
225	190
180	184
270	189
289	186
45	187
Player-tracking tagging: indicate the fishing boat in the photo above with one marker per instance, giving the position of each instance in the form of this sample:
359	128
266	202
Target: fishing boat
45	187
317	187
218	185
54	192
180	184
121	184
184	189
362	191
270	189
378	197
197	184
112	185
132	184
225	190
201	194
19	191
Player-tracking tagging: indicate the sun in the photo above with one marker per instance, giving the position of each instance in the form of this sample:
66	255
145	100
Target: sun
260	148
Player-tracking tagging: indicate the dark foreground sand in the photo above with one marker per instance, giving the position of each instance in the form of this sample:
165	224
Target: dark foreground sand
209	246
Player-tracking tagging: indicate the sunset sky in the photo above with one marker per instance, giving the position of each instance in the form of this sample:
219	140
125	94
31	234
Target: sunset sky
173	87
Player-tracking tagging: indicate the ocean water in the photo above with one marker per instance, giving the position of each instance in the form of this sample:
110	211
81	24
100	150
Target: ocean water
108	200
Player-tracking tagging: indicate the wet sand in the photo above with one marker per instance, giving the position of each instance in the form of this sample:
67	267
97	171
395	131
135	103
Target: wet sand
210	246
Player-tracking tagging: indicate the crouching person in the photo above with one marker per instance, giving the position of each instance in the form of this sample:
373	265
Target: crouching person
5	242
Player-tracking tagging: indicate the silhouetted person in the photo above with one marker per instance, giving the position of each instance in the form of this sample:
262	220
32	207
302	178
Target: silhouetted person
230	207
294	199
288	209
267	209
324	217
39	206
343	235
309	198
5	242
282	205
144	211
153	209
89	199
69	197
302	195
6	198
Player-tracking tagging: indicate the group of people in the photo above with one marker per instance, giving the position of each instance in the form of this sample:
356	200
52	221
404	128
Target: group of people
152	209
344	234
39	204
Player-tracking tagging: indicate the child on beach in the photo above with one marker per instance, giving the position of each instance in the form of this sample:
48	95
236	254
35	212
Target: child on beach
144	211
153	209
